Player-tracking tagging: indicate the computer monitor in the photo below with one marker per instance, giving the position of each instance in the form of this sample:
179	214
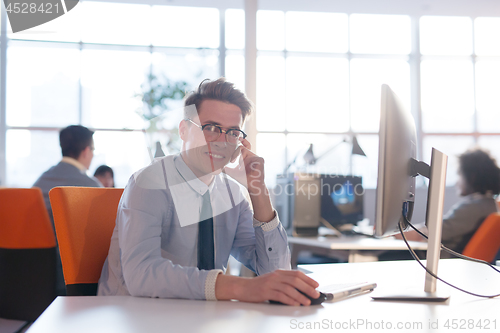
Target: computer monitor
397	147
397	169
341	199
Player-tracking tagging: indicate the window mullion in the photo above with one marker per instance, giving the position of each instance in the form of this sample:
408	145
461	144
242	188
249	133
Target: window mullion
415	82
474	99
222	42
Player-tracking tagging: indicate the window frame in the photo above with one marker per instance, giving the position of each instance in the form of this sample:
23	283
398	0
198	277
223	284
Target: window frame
472	9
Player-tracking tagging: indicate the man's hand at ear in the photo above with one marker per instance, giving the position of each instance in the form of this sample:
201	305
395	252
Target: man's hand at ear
250	169
250	173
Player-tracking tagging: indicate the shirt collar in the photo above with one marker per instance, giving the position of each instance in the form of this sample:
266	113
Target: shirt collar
75	163
194	182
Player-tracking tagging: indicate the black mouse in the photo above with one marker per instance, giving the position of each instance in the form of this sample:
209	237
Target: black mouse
314	301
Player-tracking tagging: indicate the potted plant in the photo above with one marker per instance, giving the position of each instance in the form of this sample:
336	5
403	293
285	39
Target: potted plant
157	95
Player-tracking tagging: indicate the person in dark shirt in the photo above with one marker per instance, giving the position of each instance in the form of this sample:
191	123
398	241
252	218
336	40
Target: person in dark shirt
478	184
77	148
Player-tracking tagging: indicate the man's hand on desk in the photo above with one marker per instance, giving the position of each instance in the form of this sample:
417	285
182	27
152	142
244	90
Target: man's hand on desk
280	285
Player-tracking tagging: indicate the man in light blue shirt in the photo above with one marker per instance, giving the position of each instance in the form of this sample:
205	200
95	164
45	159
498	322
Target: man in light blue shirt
154	251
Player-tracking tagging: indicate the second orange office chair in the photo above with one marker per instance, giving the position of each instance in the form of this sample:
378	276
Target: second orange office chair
485	242
84	218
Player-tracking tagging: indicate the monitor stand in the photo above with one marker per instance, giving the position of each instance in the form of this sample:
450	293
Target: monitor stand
434	222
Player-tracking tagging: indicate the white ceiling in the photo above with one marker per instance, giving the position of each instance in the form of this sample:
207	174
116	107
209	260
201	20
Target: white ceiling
408	7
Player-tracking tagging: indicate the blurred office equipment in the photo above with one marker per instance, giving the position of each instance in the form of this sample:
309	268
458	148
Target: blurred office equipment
356	150
341	200
303	201
310	158
298	203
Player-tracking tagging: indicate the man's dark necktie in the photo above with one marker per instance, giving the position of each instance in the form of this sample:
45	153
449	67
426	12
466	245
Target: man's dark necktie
206	235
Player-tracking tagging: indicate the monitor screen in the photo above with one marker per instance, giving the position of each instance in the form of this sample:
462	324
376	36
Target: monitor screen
341	199
397	149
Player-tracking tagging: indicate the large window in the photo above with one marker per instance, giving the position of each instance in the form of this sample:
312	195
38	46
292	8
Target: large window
318	82
460	106
77	70
318	79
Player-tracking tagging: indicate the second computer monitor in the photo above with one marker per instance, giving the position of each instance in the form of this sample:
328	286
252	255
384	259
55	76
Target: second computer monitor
341	199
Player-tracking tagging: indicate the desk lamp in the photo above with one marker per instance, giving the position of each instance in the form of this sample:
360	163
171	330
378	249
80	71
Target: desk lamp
310	159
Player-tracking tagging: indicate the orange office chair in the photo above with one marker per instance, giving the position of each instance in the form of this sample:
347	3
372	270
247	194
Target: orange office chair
485	242
27	254
84	218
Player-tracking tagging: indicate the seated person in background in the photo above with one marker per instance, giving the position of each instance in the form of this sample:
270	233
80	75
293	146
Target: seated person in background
105	176
77	148
479	181
159	247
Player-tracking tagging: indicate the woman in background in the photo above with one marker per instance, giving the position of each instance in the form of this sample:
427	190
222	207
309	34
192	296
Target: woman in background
478	184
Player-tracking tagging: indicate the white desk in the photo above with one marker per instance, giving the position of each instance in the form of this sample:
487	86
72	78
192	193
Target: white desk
133	314
350	249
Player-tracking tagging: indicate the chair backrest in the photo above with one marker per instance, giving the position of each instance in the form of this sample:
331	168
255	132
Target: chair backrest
27	254
84	218
485	242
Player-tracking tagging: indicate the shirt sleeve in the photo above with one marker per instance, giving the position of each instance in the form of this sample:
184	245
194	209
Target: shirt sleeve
262	247
140	218
269	226
210	284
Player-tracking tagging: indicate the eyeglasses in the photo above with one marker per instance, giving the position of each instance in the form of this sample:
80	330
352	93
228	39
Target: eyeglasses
212	133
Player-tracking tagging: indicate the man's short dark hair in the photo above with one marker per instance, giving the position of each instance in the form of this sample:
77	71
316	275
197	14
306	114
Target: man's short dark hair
220	90
480	171
74	139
